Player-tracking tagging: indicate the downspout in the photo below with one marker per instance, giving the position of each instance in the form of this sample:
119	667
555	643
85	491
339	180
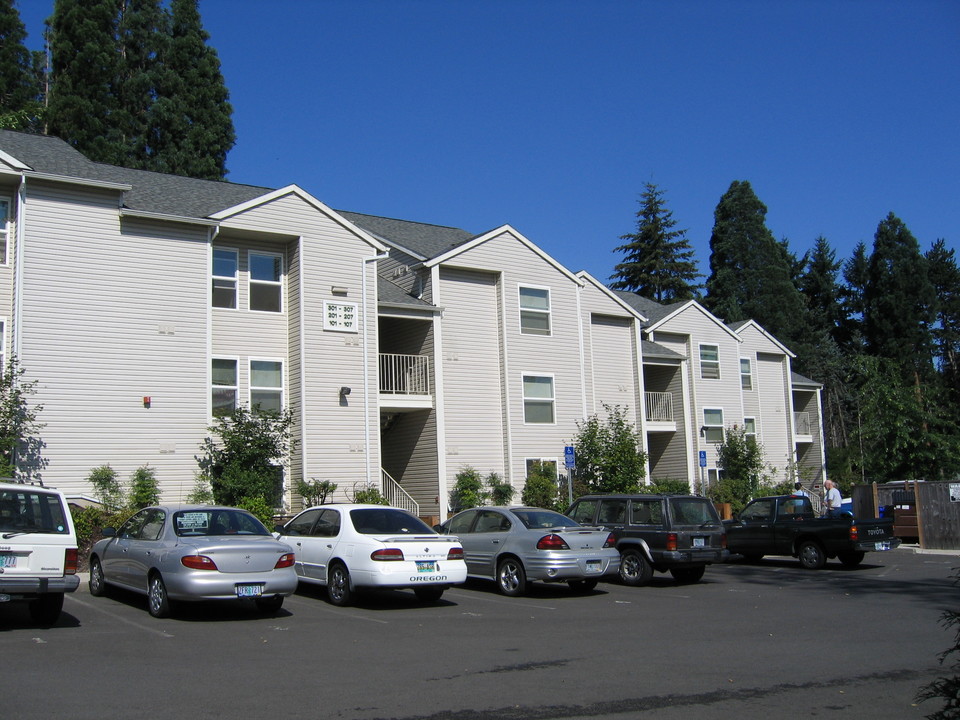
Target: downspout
366	362
18	272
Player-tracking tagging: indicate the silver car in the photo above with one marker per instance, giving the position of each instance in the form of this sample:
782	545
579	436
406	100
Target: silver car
513	545
194	553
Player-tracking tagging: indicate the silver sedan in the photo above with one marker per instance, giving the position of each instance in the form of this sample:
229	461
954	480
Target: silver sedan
194	553
513	545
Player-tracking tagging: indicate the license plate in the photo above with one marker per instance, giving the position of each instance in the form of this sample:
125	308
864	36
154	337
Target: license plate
426	566
254	590
885	545
7	560
699	542
593	566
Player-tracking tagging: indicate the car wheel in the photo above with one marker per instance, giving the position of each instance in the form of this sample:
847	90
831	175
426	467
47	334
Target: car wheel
45	610
157	601
811	555
269	605
338	585
97	585
428	594
582	586
511	578
852	558
687	575
635	570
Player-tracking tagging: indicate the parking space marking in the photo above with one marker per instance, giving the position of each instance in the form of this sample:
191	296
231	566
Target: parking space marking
92	606
339	612
499	601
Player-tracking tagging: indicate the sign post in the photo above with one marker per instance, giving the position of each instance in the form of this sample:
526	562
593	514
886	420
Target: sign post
570	462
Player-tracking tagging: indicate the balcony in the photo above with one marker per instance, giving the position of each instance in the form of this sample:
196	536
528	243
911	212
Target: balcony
802	429
659	416
404	382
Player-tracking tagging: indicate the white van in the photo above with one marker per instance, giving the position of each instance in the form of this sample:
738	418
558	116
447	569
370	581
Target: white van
38	549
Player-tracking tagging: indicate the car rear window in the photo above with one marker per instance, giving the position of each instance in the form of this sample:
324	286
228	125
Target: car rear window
216	521
376	521
692	511
542	519
28	511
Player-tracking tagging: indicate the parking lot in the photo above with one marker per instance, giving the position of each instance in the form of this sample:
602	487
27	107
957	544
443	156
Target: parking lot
749	641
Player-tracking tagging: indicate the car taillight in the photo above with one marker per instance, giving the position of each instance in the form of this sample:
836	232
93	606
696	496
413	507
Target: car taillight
671	541
854	533
198	562
552	542
286	560
611	541
70	560
385	554
455	554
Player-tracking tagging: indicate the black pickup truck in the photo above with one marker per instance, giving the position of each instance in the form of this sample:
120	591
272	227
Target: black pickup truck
786	525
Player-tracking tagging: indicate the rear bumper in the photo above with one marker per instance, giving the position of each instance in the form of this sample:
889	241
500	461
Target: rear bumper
407	575
551	567
680	558
210	585
871	545
33	586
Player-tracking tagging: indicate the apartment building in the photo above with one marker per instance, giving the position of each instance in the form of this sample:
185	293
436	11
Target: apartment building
146	304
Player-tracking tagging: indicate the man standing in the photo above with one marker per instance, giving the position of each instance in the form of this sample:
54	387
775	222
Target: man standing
832	499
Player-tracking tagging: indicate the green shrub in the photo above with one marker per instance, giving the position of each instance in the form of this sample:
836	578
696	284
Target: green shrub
106	487
89	523
468	490
201	493
541	488
259	508
314	492
144	490
668	486
501	492
370	496
609	458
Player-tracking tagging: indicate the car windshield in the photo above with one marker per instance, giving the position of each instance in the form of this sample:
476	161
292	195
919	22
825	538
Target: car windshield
26	511
216	521
378	521
540	519
692	511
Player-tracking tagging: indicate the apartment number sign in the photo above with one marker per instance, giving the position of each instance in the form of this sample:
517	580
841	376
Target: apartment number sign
340	316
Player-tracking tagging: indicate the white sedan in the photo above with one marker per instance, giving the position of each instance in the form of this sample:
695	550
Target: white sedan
351	547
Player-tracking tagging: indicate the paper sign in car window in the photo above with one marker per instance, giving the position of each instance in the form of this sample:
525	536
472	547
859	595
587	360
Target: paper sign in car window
193	521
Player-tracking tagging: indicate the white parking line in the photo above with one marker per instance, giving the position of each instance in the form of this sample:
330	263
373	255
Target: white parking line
97	607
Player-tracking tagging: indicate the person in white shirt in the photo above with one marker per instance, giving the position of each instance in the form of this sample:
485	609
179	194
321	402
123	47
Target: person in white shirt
798	489
832	499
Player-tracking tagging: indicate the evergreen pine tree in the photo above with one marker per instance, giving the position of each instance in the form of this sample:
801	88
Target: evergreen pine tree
818	284
658	259
193	129
83	101
19	86
751	274
899	302
945	276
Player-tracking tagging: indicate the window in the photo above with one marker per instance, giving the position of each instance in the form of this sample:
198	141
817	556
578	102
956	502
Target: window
538	399
3	345
746	374
4	229
328	525
340	316
534	311
462	522
713	425
224	391
491	521
225	278
266	386
583	511
710	362
547	466
613	512
302	524
266	272
750	428
646	512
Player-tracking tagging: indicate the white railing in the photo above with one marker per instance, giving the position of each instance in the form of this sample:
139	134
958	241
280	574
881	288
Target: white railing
659	406
801	423
404	374
397	496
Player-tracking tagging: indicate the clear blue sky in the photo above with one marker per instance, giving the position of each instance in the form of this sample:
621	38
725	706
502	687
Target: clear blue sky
550	115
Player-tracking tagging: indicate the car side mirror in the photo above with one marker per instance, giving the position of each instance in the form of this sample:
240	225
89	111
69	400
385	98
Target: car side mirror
278	529
108	532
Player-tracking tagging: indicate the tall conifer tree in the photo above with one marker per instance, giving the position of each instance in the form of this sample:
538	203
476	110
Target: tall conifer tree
658	260
19	84
945	276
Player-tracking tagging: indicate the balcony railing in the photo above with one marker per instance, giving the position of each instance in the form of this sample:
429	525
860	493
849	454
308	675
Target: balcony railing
659	406
404	374
801	423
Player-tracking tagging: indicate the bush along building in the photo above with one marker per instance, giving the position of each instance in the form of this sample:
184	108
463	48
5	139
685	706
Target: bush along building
146	305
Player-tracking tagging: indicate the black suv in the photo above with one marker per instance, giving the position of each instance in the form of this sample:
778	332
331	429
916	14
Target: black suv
679	533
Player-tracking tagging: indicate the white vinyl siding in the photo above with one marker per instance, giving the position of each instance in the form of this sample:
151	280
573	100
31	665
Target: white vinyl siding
534	310
613	354
538	399
225	265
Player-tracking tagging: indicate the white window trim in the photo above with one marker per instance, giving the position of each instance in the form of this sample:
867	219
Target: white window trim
700	347
756	427
271	283
748	374
556	461
703	415
236	388
5	227
235	278
553	399
338	324
283	380
3	344
548	312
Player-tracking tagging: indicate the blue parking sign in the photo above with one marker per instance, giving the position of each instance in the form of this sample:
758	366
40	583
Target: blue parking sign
703	458
569	459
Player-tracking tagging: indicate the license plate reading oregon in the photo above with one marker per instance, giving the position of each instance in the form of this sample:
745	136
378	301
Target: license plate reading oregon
426	566
593	566
7	560
699	542
255	590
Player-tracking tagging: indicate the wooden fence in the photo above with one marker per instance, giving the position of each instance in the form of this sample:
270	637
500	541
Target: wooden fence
924	512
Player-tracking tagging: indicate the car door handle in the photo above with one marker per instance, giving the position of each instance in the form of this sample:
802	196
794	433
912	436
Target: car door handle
495	542
329	545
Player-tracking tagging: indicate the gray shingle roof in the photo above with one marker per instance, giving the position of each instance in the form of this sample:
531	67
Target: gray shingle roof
425	240
650	309
393	294
653	350
798	379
